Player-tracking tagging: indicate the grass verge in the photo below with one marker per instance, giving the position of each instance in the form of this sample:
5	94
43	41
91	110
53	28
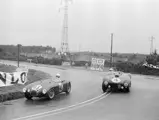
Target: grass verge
15	91
7	68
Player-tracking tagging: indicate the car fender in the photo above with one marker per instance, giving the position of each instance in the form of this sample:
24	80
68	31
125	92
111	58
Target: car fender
65	85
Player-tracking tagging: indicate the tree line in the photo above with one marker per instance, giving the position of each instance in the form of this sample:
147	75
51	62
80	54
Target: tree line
13	49
153	58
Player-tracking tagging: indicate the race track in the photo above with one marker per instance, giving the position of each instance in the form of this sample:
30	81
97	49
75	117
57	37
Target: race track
87	101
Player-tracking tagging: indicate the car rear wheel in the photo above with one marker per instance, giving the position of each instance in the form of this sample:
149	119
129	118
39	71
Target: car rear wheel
51	94
29	97
68	90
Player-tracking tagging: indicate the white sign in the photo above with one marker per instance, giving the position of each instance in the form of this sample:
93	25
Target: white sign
97	64
7	79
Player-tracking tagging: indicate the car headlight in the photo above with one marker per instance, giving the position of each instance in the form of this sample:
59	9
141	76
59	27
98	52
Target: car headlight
44	91
125	84
24	89
105	82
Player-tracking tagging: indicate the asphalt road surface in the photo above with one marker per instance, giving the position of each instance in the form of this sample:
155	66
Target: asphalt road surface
87	101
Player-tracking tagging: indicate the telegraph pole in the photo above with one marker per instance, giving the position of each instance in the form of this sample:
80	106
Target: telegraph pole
111	51
18	53
151	45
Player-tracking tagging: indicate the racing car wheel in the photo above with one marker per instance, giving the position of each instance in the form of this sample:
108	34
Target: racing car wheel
51	94
68	90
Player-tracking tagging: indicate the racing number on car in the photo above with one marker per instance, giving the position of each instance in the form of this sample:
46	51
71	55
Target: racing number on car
116	80
38	87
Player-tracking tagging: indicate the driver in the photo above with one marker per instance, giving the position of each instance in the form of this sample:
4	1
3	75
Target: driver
116	74
114	71
58	79
111	71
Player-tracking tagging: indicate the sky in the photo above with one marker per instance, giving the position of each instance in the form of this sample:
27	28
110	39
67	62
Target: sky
90	24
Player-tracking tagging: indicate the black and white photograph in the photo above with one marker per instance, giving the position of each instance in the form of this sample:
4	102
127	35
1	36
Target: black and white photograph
79	60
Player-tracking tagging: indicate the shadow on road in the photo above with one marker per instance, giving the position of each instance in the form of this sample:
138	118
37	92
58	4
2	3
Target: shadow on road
45	101
119	92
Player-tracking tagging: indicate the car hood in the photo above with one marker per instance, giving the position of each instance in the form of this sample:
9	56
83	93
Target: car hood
43	83
121	79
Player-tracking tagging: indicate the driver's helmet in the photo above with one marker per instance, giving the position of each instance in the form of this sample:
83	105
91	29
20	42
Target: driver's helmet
116	74
57	75
111	69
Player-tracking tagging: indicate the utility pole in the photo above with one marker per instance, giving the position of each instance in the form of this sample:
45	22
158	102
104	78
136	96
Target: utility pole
18	53
151	45
111	51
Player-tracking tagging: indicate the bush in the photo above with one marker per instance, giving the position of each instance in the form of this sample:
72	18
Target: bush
136	68
41	60
81	63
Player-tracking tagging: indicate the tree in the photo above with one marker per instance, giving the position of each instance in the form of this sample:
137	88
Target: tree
153	58
14	54
54	49
1	50
155	52
115	54
132	57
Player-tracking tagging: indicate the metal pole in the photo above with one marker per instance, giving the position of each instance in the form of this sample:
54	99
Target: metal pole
18	53
111	59
151	45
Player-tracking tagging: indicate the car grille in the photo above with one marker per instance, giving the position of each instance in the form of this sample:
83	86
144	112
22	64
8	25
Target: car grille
115	85
33	93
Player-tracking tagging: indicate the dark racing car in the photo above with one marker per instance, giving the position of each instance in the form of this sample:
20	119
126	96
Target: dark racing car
47	88
116	81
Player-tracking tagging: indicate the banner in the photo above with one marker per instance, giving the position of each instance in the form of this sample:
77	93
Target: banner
7	79
97	64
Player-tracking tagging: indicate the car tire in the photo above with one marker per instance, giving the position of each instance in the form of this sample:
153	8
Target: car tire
51	94
68	89
28	97
127	89
104	88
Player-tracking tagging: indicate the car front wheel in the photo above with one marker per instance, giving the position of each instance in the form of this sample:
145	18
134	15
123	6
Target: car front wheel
51	94
29	97
104	88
